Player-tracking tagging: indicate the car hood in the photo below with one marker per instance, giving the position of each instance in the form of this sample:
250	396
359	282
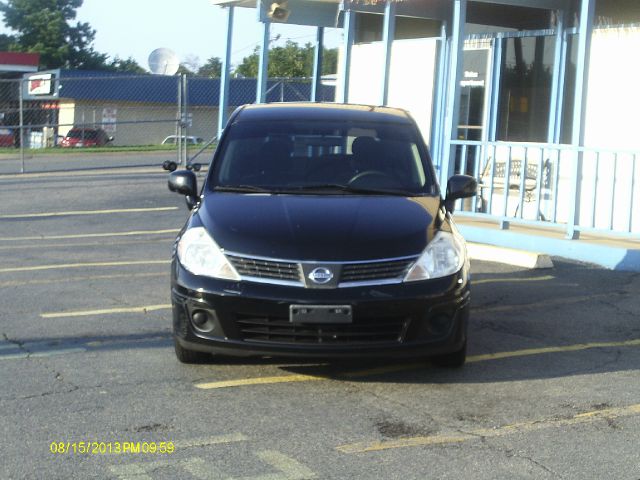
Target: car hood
320	228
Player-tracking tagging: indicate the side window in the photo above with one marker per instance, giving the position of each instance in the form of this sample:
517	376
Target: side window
417	164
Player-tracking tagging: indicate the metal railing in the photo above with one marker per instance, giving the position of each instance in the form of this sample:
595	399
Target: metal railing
578	188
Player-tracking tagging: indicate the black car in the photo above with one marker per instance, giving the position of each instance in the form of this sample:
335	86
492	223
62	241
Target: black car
320	231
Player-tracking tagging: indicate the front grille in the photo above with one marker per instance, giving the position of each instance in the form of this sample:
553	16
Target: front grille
366	272
268	269
280	330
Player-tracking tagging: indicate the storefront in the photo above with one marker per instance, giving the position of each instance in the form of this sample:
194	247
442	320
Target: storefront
534	95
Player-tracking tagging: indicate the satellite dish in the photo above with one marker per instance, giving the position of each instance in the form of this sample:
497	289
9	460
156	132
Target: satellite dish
163	61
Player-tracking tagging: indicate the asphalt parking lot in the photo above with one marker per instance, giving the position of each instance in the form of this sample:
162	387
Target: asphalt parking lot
60	161
551	388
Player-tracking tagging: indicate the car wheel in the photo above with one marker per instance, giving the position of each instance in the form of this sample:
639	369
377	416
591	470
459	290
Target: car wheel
451	360
189	356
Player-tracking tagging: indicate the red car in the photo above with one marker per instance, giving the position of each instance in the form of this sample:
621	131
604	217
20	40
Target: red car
7	138
86	137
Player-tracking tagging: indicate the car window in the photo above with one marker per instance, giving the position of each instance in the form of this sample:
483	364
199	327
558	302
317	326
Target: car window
190	140
82	133
282	156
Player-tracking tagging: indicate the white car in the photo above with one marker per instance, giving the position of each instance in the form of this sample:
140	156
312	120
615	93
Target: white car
173	139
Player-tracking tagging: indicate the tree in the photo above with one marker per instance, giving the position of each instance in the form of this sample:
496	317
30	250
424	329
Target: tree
249	65
330	61
191	62
6	41
184	70
288	61
125	65
48	27
212	68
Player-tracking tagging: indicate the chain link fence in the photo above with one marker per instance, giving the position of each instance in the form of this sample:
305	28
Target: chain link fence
98	121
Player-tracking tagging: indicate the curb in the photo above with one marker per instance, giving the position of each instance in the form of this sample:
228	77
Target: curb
510	256
605	252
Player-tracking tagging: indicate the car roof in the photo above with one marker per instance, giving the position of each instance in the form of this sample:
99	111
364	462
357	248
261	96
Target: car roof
321	111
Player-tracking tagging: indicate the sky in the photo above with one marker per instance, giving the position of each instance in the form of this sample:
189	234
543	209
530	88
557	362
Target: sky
191	28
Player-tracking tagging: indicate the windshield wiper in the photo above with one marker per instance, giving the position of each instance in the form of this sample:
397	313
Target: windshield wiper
241	189
321	187
355	190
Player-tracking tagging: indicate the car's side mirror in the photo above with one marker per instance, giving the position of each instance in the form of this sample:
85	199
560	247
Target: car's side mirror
185	182
459	186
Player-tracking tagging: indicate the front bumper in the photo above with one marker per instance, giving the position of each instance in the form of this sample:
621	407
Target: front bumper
252	319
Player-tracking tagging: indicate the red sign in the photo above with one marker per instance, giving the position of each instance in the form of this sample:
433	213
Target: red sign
40	84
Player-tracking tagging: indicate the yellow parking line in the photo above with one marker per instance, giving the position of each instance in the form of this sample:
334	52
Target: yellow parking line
522	427
362	447
106	311
89	235
304	378
288	468
548	302
95	243
540	351
83	265
80	279
510	280
413	366
86	212
259	381
382	370
215	440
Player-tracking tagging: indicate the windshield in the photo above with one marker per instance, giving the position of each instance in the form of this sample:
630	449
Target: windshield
310	157
79	133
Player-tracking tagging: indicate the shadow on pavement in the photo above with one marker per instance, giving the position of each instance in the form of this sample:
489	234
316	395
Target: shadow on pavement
512	311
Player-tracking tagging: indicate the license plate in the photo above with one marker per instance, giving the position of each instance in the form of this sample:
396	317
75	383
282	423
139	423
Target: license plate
320	314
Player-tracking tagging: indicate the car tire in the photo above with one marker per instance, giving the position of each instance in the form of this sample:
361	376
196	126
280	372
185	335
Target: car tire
185	355
451	360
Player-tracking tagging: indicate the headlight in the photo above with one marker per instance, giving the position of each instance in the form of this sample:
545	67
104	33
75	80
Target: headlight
444	255
199	254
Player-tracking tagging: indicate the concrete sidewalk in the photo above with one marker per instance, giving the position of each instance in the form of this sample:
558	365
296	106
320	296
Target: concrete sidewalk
609	251
509	256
